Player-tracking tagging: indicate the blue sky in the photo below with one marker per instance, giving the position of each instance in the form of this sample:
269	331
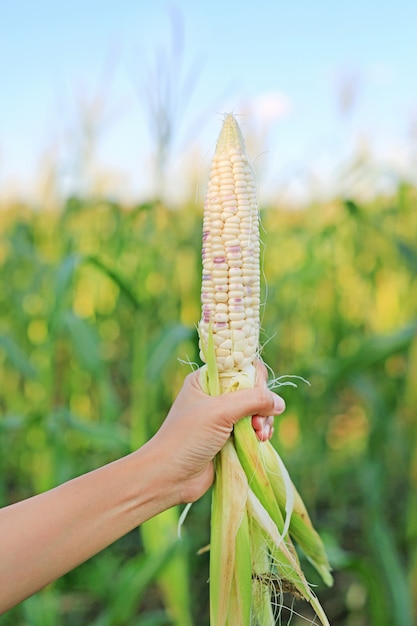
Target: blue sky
281	66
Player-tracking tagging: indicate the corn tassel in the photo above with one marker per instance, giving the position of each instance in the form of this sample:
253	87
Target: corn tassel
255	507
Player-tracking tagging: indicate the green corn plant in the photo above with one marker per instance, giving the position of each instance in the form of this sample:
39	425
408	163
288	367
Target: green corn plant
256	510
159	533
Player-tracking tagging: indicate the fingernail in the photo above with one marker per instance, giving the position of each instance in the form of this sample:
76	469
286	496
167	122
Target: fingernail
279	405
266	432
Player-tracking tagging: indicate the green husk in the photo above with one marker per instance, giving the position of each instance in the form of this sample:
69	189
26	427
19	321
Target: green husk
253	502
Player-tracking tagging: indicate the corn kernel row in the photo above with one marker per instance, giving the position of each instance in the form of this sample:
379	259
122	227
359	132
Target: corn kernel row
231	282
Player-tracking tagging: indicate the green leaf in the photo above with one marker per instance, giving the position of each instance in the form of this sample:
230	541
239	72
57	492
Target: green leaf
110	437
132	581
164	346
17	357
64	275
408	253
84	340
11	422
372	351
117	279
212	371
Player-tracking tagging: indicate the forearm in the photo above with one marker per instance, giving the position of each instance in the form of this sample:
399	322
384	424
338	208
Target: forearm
46	536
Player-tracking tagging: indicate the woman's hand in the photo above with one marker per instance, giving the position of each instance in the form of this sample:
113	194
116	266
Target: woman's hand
81	517
198	425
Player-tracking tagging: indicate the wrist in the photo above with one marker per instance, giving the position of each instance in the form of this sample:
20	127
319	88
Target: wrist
154	488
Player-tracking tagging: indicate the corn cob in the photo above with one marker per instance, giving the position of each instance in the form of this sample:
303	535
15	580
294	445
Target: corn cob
255	507
231	280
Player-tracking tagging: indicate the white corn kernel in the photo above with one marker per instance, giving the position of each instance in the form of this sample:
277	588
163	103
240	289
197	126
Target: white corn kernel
231	277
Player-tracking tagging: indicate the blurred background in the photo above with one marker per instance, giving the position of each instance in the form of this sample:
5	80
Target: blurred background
109	113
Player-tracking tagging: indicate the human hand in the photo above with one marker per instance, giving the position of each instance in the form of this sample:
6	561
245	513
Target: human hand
198	425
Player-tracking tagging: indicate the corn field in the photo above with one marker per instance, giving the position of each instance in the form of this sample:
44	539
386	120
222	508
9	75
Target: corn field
98	311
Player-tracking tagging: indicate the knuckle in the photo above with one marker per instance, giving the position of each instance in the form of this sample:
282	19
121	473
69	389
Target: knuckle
264	401
262	371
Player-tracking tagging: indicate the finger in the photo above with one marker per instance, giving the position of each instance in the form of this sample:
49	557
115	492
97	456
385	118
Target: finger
263	427
193	379
257	401
232	407
261	372
258	421
279	404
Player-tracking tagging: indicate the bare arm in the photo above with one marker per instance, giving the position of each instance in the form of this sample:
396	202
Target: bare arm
45	536
49	534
